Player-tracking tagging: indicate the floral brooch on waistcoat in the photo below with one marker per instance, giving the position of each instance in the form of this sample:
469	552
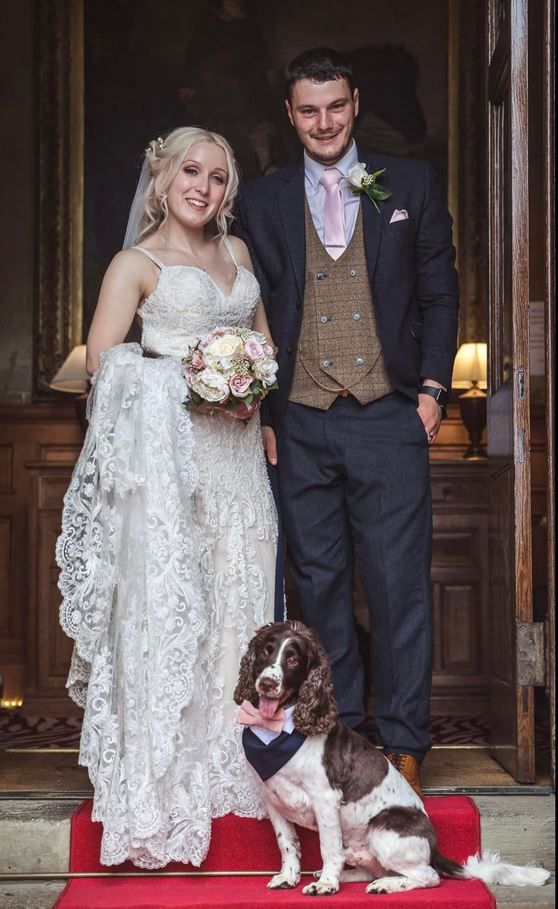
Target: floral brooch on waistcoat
361	181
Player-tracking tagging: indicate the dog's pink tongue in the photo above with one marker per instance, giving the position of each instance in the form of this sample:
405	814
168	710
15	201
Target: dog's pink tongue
268	707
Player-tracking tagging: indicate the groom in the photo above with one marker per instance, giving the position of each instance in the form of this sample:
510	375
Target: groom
363	307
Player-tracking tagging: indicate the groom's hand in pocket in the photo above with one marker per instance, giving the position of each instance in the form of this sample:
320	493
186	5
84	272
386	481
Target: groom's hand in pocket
269	444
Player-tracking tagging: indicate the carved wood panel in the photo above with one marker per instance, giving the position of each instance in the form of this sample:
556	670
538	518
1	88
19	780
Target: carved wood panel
26	432
459	573
49	649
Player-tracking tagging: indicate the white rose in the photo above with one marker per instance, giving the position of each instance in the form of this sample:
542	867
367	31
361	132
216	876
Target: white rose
222	353
265	370
224	347
356	173
211	386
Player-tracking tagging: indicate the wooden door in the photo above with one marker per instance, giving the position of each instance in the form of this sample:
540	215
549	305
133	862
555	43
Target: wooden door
549	151
513	637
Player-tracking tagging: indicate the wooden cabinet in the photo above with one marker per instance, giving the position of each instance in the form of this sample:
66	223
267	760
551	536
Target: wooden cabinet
460	502
35	469
460	505
459	584
49	649
47	432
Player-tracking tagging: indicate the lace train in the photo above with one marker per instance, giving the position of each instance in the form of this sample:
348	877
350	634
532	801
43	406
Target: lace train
167	555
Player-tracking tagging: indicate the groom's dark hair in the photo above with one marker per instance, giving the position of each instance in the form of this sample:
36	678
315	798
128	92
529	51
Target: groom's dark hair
320	64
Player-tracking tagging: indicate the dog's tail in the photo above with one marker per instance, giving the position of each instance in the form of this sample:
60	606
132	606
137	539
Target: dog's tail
490	869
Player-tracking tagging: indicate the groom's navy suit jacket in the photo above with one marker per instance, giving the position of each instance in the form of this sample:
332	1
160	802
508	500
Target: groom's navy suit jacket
410	268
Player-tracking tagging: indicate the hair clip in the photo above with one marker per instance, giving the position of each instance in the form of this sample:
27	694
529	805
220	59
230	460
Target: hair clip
155	145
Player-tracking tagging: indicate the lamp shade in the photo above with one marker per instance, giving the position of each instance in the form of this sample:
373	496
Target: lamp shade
72	375
470	366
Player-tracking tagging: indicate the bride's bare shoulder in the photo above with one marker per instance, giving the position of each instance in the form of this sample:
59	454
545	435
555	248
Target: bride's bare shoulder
133	262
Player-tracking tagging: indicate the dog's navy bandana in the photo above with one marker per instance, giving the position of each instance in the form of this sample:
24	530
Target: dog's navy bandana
268	759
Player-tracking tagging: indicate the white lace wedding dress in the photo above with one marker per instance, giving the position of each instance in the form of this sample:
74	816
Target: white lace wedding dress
167	558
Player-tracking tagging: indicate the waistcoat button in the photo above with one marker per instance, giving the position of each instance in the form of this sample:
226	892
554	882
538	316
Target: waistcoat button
321	275
326	364
352	272
324	319
356	316
359	361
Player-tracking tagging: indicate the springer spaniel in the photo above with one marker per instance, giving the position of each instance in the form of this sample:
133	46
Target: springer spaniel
320	774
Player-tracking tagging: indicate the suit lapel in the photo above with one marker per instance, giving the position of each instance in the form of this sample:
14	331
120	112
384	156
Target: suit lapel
372	221
291	204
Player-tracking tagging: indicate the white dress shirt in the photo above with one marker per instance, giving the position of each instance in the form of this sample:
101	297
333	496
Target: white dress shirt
315	192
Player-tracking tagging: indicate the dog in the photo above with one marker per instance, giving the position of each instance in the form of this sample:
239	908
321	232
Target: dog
319	774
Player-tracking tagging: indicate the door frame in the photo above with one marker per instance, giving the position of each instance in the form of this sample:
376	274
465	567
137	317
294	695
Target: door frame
512	694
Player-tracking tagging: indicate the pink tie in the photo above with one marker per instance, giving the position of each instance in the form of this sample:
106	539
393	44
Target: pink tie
334	212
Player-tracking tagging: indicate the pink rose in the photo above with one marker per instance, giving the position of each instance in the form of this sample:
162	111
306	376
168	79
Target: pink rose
240	385
198	361
268	350
190	374
253	350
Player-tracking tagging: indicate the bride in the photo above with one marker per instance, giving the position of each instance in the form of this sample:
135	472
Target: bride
168	543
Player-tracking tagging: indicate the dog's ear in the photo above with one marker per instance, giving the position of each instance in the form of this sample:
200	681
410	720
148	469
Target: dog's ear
245	688
316	711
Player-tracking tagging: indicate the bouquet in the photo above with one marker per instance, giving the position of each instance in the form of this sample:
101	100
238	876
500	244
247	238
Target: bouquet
229	367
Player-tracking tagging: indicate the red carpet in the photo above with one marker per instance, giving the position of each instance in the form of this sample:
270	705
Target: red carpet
248	845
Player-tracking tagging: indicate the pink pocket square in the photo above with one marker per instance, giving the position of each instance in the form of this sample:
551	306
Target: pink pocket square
399	215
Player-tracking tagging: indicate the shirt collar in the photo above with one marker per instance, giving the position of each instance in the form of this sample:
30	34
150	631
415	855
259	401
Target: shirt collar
313	170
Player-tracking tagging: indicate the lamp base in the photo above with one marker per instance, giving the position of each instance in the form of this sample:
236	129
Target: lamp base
477	453
81	406
472	405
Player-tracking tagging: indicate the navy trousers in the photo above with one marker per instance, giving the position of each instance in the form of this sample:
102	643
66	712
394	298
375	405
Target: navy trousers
354	483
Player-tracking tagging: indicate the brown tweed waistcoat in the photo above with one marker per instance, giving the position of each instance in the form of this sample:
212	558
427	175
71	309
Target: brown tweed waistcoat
339	346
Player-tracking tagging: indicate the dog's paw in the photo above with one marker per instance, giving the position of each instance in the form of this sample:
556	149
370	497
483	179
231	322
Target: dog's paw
317	874
285	880
389	885
321	888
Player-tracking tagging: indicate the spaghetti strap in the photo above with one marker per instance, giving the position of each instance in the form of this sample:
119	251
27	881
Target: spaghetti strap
230	251
149	255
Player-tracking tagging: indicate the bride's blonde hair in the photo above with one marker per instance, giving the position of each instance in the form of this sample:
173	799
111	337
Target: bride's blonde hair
165	157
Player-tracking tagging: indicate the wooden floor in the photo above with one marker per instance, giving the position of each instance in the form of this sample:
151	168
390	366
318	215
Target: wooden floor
447	769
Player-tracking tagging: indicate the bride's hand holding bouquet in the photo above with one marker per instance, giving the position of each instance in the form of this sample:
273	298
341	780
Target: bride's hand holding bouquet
229	371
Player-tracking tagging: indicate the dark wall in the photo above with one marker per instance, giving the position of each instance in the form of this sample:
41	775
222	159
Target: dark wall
151	65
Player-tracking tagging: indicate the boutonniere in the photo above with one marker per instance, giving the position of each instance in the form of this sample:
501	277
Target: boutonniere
361	181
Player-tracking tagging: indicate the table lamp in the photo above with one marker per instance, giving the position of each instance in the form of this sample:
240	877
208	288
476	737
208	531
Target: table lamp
469	372
73	377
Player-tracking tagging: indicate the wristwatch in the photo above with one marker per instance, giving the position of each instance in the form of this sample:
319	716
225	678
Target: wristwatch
439	394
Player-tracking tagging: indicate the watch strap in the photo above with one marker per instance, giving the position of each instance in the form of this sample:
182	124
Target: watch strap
439	394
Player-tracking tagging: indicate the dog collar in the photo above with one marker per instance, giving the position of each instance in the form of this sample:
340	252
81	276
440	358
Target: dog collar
268	759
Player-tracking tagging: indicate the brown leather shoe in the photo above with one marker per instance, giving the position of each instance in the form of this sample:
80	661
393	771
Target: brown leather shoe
409	767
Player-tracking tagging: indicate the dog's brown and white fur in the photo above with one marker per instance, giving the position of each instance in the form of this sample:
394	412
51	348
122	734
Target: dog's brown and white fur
366	814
